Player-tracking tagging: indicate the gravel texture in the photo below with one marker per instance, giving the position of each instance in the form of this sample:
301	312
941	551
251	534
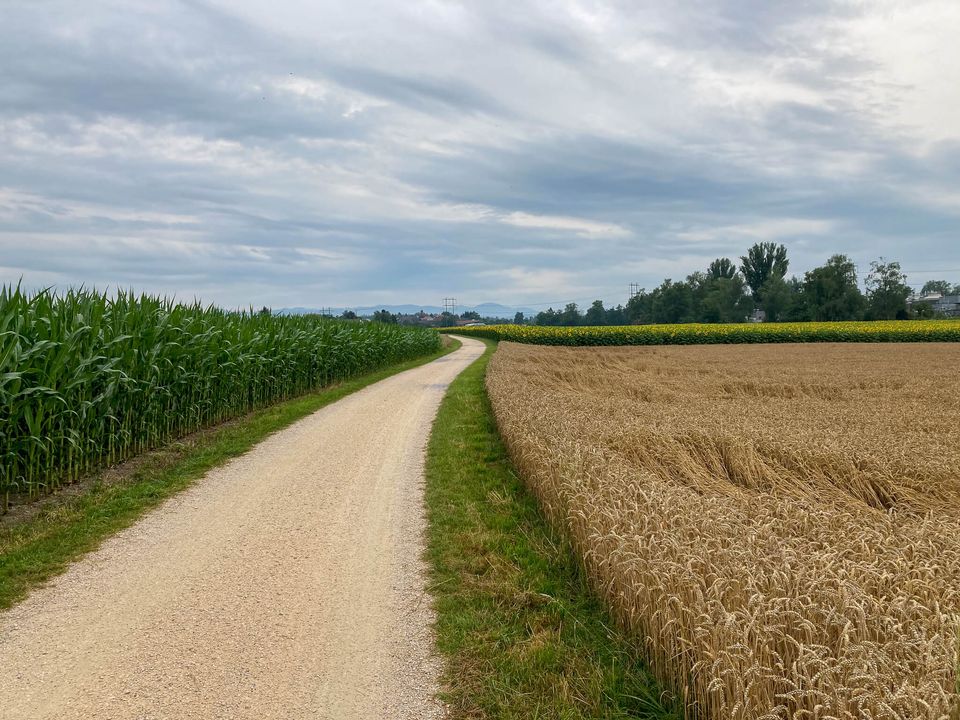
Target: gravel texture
287	583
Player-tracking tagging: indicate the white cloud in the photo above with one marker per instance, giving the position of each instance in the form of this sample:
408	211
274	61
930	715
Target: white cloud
912	72
16	204
578	226
777	229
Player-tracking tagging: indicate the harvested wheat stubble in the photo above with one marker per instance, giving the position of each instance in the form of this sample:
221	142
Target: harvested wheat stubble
777	526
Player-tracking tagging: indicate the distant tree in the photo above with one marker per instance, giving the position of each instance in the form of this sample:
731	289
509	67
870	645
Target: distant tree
922	311
518	319
783	300
762	262
265	311
937	286
723	299
447	319
831	291
639	309
887	291
384	316
470	315
722	268
672	302
698	281
719	294
547	317
571	315
617	315
596	314
796	309
348	315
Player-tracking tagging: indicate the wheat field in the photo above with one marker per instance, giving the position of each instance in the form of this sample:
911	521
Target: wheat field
777	527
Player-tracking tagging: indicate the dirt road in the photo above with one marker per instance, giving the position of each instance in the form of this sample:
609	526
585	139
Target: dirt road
285	584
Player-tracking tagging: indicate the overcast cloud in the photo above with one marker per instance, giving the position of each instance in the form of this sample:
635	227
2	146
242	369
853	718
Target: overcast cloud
312	153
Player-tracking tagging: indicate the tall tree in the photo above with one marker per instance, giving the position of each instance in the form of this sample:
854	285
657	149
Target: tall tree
385	316
922	311
447	319
698	283
571	315
518	319
639	309
722	268
831	291
762	262
887	291
797	309
936	286
596	314
723	300
672	302
783	300
547	317
718	295
617	315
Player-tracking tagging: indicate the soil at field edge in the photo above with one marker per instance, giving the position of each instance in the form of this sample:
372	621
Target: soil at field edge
287	583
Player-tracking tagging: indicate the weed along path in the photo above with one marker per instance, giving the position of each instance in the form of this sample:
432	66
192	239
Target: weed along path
285	584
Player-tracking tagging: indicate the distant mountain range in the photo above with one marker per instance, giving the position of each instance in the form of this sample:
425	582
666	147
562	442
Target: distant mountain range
493	310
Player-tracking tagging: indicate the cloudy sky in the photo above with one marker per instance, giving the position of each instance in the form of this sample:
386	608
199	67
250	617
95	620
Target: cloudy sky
303	152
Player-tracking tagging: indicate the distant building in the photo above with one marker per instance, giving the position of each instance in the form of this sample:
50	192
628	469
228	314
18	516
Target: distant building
945	305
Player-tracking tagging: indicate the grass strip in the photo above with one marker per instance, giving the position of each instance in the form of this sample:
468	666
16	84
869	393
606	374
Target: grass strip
44	545
522	634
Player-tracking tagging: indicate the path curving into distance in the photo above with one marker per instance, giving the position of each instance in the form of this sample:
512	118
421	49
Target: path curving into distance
287	583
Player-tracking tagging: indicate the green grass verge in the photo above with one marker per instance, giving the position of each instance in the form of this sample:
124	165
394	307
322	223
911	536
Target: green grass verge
522	634
35	550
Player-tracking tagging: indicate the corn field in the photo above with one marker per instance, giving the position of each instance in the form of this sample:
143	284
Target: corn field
88	379
776	527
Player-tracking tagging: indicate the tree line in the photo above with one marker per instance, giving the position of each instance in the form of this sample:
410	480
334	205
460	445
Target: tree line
758	286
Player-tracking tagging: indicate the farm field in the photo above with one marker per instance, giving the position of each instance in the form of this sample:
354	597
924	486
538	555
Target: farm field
718	333
88	379
777	527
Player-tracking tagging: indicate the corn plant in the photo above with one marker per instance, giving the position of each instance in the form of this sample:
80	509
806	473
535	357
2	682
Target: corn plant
88	379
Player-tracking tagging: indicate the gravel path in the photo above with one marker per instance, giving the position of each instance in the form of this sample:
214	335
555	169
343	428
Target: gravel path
287	583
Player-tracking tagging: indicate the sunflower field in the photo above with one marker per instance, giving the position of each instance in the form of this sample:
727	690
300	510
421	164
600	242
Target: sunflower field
707	334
